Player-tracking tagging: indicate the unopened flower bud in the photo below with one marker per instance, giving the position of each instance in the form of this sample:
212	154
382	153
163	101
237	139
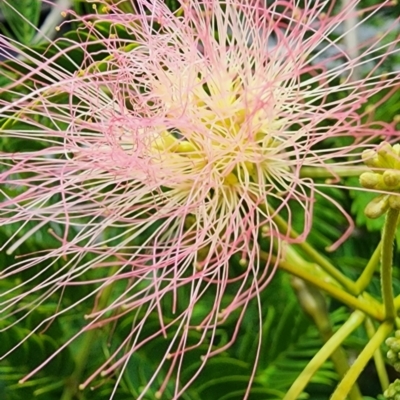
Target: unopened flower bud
396	148
393	391
385	177
391	178
377	207
393	355
394	344
386	156
370	180
394	201
370	158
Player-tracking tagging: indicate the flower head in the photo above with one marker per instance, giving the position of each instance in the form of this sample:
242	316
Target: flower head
168	152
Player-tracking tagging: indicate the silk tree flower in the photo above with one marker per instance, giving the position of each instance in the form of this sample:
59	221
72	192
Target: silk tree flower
166	154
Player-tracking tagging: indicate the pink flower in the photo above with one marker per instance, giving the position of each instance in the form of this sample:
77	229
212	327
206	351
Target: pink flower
169	151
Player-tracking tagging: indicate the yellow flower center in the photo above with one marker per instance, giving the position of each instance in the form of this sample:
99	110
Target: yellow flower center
220	129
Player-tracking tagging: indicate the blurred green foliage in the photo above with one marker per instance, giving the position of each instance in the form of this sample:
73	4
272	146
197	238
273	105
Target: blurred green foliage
20	19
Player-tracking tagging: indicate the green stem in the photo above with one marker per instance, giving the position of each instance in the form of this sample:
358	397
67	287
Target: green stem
320	260
378	358
89	338
354	288
323	354
358	366
338	293
365	278
389	231
316	172
314	304
72	386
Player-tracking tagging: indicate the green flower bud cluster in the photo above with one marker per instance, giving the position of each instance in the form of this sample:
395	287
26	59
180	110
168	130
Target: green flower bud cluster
393	391
393	354
384	176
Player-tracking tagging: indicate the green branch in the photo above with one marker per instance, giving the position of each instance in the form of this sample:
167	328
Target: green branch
332	172
323	354
89	338
365	278
359	364
379	361
313	303
72	384
329	268
368	307
388	235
